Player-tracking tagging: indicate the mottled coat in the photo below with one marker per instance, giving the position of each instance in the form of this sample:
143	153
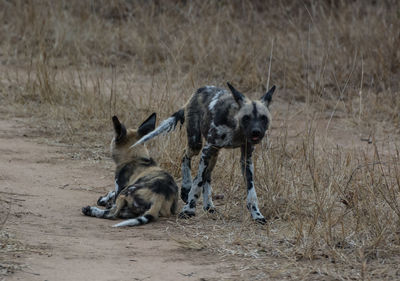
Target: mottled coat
224	119
143	191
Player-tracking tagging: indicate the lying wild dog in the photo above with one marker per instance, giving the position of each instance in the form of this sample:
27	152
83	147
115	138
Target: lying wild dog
224	120
143	191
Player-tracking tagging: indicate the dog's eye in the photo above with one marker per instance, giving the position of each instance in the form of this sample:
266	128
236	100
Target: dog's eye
246	118
264	119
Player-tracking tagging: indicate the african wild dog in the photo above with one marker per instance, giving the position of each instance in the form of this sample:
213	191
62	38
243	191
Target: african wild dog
143	191
225	120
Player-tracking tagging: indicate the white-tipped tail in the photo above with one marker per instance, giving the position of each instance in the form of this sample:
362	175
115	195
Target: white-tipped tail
166	126
136	221
131	222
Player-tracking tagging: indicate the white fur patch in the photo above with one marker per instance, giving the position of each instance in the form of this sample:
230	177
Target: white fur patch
214	100
221	135
116	186
195	189
207	196
108	197
131	222
96	212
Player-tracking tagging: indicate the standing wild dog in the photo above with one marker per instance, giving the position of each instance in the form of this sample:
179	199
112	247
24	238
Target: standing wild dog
224	120
143	191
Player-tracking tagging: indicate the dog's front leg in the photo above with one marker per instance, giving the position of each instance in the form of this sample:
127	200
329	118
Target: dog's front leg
107	200
248	174
202	181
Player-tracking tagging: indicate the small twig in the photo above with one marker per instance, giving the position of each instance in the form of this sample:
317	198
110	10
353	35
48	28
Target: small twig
186	275
367	140
6	218
362	166
360	91
270	63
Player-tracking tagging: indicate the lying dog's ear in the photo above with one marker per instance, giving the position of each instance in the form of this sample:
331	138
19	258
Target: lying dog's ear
120	130
148	125
239	97
267	98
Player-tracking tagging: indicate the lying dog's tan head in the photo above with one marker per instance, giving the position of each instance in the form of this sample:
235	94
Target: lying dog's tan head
124	138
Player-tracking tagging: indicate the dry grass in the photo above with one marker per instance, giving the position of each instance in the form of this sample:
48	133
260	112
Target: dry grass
332	200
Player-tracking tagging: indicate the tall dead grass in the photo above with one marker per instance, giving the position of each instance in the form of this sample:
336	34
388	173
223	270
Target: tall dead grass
330	199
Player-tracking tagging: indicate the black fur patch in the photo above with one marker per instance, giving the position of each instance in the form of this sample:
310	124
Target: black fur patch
185	194
120	130
249	177
179	116
254	109
87	211
222	115
149	217
148	162
195	142
122	176
245	161
125	172
161	183
192	204
199	90
142	205
148	125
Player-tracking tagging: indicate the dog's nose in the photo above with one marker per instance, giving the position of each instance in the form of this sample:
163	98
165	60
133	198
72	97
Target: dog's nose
256	133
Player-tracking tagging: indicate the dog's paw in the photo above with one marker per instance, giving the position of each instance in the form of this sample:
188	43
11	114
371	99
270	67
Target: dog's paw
261	221
210	209
101	201
186	215
87	211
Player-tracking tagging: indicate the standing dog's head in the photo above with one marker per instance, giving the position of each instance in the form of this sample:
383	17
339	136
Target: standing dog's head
125	138
253	116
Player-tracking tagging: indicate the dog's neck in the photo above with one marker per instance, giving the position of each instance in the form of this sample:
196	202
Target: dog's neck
138	162
125	171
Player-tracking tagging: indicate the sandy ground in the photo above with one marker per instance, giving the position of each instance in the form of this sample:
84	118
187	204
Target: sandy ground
47	189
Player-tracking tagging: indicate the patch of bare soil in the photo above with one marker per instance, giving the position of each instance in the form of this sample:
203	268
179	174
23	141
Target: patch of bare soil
42	191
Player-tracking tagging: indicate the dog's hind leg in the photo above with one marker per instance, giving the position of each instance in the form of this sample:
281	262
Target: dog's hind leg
150	215
110	213
193	148
208	205
203	174
248	174
186	173
94	211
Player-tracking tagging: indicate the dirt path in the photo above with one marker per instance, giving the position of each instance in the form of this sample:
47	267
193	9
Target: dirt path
47	189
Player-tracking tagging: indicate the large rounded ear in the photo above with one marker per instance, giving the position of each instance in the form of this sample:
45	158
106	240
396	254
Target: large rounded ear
238	96
267	98
119	129
148	125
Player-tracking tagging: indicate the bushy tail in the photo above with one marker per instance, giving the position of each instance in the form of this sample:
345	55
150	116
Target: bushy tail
148	216
136	221
166	126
